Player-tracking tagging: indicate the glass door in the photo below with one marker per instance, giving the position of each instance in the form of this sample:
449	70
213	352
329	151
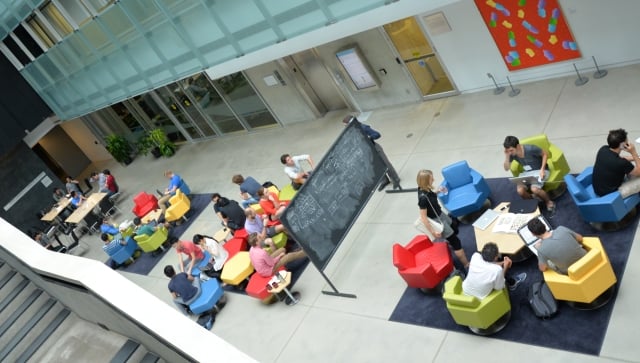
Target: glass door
419	57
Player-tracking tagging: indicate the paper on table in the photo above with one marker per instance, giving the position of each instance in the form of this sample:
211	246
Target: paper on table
510	222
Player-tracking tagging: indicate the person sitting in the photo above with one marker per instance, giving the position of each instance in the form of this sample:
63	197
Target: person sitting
260	225
267	264
229	212
77	198
184	288
193	252
72	185
487	273
219	254
294	170
110	184
58	194
534	162
270	204
248	189
112	244
45	242
145	229
612	170
108	228
557	249
175	181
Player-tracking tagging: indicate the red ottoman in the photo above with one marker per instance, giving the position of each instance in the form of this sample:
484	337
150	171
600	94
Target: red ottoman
235	245
241	233
257	287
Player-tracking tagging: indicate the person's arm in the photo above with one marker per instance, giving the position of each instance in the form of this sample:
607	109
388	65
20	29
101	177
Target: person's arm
192	261
174	295
542	266
311	164
507	161
543	165
180	260
427	224
631	149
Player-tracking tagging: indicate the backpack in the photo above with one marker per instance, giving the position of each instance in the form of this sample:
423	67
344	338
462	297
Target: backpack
542	302
206	320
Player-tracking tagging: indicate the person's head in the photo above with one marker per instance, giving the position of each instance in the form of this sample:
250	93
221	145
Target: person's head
490	252
286	159
57	191
347	119
536	227
104	237
215	197
253	240
425	180
198	239
94	176
510	144
69	179
168	174
169	271
37	235
105	220
73	194
250	213
106	172
616	137
137	221
262	191
237	179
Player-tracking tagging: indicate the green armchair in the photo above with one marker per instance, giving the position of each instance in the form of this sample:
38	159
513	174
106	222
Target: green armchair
483	317
153	242
556	163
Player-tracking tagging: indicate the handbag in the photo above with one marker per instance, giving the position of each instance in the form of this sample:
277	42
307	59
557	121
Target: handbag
439	226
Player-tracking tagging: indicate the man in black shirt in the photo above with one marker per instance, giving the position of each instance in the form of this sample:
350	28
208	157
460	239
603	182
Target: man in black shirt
611	169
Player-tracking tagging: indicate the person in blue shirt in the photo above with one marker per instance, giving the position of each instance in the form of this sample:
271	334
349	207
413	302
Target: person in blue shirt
391	175
184	288
77	198
175	183
108	228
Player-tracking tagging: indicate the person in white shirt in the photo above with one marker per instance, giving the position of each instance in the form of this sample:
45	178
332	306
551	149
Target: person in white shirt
219	254
294	170
487	273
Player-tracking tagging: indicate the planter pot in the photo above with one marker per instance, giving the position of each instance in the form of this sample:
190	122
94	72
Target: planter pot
156	152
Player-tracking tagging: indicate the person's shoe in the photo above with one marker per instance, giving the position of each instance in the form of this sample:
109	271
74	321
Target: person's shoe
551	210
517	280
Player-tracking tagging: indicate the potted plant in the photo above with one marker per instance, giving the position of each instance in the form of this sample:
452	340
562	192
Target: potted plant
145	144
119	148
160	139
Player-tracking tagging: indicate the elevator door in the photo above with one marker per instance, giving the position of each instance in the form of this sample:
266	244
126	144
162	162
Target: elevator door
419	57
319	79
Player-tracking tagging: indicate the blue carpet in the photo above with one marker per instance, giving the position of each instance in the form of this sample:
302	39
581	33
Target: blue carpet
147	261
571	329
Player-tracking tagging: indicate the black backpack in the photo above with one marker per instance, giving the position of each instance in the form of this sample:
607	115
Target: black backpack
542	302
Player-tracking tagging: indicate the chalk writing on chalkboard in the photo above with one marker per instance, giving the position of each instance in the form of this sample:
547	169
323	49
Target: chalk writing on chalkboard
327	205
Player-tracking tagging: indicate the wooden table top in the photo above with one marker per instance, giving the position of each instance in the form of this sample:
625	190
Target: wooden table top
508	243
56	210
85	208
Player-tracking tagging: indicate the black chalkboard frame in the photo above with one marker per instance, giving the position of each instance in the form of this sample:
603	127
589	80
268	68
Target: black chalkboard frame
325	171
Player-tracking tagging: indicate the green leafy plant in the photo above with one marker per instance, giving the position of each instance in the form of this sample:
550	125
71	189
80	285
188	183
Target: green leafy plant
156	138
145	144
119	148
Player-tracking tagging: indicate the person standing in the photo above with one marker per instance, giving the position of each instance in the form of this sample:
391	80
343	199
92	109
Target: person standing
110	185
430	209
611	170
534	162
73	185
557	249
101	179
391	175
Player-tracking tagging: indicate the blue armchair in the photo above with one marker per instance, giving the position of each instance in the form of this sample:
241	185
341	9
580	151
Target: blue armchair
125	253
608	208
467	189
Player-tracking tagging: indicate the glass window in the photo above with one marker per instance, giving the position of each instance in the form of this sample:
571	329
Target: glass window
244	100
42	32
55	18
76	10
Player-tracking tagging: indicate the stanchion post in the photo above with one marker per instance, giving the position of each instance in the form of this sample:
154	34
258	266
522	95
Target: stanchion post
514	91
581	80
499	89
599	73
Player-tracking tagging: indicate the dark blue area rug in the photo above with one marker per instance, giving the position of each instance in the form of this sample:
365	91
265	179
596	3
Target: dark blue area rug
147	261
571	329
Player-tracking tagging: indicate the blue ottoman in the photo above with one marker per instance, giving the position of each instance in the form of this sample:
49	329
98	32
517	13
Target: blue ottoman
195	271
210	293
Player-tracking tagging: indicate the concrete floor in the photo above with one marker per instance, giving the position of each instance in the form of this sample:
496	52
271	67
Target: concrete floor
428	135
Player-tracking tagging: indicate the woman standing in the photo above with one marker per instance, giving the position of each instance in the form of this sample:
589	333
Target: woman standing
430	209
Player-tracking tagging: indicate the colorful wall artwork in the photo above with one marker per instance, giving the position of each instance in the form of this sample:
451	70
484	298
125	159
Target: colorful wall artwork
529	33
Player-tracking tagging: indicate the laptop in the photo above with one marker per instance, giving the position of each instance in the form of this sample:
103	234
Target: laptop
523	206
486	219
528	238
525	180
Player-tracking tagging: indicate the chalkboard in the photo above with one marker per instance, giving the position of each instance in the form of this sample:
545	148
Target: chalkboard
328	203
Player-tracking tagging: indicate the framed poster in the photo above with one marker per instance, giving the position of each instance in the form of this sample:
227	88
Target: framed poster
358	69
529	33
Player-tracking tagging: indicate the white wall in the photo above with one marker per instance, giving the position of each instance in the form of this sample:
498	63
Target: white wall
608	32
86	141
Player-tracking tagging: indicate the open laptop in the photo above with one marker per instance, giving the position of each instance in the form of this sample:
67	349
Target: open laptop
486	219
525	180
523	206
528	238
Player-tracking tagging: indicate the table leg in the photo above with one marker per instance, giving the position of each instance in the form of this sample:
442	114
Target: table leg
294	298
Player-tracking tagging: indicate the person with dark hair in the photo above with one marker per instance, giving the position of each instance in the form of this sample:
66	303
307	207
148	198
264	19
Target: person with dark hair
248	189
144	229
373	135
58	194
488	273
101	179
294	170
184	288
267	264
77	198
108	228
557	249
73	185
534	162
111	243
615	171
111	187
430	210
45	242
229	212
194	254
219	254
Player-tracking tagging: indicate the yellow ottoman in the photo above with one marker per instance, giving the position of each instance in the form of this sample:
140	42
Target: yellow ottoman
237	269
286	193
256	207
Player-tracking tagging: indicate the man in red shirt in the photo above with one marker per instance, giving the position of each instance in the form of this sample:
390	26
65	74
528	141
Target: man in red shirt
193	251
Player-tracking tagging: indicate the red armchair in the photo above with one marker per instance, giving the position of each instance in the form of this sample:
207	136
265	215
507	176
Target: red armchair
422	263
144	203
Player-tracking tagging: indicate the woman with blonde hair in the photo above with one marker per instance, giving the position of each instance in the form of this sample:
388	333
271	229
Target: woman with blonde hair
430	209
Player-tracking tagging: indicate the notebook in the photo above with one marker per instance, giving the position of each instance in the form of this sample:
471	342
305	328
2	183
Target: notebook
523	206
528	238
486	219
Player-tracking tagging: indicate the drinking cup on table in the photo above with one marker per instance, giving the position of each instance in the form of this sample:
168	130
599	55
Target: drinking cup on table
269	287
275	285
